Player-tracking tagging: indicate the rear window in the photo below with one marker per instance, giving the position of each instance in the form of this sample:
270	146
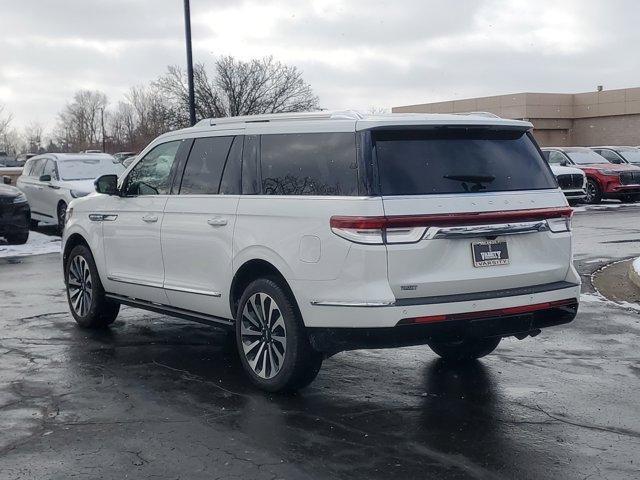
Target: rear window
309	164
459	160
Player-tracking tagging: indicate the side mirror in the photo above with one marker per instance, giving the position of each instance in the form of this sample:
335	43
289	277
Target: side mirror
6	179
45	178
107	184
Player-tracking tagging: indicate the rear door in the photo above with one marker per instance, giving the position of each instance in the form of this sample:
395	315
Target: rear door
467	210
197	230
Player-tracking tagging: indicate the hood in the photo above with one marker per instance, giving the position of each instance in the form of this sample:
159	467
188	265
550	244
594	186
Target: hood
80	185
560	170
8	191
618	167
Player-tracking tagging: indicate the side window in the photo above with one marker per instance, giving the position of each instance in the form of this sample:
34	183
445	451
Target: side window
204	166
556	157
309	164
611	156
38	167
231	183
152	174
50	169
250	185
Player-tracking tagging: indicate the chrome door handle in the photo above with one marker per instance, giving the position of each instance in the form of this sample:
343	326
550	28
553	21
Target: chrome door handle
217	222
150	218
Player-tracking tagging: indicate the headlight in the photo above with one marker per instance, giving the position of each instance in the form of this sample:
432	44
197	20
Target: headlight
609	172
20	198
78	193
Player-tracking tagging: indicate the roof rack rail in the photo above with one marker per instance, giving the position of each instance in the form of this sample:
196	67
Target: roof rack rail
479	114
282	117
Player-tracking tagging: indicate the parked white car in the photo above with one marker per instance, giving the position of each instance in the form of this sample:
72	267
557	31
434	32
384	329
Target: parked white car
51	181
311	234
571	180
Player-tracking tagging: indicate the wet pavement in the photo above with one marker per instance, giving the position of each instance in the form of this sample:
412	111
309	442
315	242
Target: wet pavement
157	397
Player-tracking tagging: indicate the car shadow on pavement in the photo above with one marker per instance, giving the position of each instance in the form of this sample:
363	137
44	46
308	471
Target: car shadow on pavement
194	370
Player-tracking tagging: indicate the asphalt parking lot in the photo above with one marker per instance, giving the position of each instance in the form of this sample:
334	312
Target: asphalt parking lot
157	397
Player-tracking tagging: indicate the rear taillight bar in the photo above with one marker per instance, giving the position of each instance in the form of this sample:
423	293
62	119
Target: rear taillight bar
450	219
500	312
402	228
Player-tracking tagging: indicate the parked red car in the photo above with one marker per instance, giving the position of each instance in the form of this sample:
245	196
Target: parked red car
604	179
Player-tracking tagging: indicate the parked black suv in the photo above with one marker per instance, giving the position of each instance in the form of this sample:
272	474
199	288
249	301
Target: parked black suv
15	215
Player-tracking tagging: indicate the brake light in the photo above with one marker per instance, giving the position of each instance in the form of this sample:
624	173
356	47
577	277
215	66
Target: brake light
411	228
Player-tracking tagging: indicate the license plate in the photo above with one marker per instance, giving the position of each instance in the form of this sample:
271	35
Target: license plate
490	253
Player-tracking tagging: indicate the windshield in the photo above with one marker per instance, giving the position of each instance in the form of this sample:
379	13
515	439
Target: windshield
631	155
585	157
459	160
88	169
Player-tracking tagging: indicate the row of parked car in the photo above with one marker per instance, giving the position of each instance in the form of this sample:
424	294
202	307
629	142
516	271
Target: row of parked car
50	181
591	174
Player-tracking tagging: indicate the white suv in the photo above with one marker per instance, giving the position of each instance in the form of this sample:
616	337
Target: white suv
310	234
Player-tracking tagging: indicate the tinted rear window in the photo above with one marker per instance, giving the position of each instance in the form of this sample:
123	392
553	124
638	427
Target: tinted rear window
309	164
459	161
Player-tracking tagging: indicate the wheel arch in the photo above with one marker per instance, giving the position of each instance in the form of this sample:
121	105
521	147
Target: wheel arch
252	270
73	241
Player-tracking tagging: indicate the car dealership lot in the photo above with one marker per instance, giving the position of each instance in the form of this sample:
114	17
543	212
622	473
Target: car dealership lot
156	397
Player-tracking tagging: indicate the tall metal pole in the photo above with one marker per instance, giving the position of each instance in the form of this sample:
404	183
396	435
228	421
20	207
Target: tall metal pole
187	31
102	124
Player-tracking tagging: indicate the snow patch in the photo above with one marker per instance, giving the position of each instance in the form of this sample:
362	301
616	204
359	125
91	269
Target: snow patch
38	244
634	272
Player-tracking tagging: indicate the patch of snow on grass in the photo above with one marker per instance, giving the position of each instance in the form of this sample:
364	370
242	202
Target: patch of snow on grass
38	244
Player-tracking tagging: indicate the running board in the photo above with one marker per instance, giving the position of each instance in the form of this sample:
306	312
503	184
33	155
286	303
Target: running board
172	311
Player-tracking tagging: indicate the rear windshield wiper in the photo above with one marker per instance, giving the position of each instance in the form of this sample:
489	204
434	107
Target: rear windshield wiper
477	181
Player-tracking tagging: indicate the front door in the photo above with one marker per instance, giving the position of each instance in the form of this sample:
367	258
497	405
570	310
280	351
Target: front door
131	227
197	230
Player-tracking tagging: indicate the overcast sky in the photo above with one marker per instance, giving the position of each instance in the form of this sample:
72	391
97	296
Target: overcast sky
354	53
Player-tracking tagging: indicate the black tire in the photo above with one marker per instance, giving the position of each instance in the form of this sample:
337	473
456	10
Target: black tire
62	212
98	311
465	350
594	192
299	364
33	224
19	237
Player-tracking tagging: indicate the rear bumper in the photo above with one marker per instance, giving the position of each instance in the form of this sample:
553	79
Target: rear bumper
333	340
384	315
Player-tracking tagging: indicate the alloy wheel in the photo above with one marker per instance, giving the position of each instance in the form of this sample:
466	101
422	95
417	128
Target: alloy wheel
80	285
591	192
263	335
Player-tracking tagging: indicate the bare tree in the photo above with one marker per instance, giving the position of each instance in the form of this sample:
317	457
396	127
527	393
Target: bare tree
79	122
33	136
239	88
8	137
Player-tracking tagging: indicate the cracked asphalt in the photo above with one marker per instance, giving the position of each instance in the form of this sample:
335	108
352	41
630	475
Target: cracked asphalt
157	397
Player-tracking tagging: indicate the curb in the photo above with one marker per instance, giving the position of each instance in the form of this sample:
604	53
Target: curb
634	272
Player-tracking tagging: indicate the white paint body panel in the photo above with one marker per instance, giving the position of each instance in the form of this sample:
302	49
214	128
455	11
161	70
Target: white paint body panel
183	261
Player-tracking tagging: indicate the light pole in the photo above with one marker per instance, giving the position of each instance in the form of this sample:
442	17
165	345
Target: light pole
187	32
102	126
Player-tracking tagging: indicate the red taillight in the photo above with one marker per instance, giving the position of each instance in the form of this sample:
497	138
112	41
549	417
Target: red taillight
410	228
500	312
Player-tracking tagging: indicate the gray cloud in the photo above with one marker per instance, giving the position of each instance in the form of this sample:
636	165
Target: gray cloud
355	53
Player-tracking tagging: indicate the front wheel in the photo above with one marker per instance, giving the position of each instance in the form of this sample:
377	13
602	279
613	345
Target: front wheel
18	237
272	342
465	350
87	301
594	193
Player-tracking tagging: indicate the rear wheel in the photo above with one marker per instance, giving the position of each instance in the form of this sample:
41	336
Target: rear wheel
594	193
272	342
62	212
465	350
87	302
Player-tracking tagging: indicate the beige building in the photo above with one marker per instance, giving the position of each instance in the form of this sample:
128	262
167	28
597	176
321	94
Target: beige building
607	117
